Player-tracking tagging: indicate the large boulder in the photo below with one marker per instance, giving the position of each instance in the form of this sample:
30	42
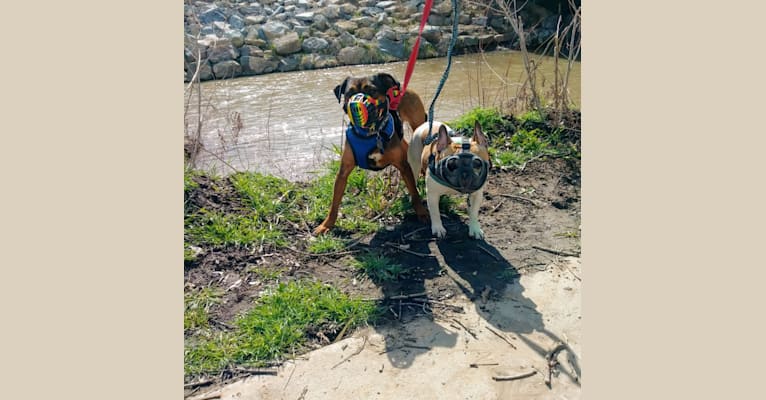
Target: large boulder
211	14
314	45
227	69
288	44
273	30
352	55
255	65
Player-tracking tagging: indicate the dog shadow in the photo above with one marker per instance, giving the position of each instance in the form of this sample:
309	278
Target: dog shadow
477	269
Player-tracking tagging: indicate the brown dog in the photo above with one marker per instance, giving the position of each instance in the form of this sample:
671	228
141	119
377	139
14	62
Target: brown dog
392	150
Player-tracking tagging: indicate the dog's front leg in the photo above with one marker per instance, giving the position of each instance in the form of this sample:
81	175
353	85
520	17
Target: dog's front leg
347	165
434	192
474	203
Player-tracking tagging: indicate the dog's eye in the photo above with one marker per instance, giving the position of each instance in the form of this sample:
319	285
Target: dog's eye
451	164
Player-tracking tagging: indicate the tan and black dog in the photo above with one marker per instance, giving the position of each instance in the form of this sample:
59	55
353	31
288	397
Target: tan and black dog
452	165
384	150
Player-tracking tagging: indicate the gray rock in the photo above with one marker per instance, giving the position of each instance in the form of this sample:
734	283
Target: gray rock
348	9
252	8
222	51
320	22
393	48
273	30
205	71
352	55
372	11
288	44
227	69
439	20
281	17
387	33
443	9
346	39
331	12
236	37
314	45
252	65
365	33
236	22
464	19
212	14
349	26
385	4
431	33
289	63
305	16
499	24
250	51
466	41
481	21
207	30
255	19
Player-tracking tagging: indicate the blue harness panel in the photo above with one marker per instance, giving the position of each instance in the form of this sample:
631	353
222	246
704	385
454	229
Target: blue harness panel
363	142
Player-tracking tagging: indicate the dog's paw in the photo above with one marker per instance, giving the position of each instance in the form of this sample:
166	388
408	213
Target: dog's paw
474	231
321	230
438	231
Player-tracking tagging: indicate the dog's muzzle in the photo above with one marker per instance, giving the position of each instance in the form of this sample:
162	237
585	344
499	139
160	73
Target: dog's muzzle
464	171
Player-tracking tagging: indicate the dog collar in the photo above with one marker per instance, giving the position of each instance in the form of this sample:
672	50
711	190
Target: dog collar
463	171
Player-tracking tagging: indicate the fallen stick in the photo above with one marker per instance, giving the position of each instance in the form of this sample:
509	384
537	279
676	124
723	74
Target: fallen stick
466	328
477	365
551	358
497	206
513	377
407	236
408	296
556	252
353	354
501	337
200	383
400	248
488	252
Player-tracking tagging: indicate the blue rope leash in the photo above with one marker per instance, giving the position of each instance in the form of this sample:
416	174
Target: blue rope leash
453	39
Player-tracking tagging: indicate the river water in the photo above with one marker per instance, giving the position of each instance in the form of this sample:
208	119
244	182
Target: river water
286	124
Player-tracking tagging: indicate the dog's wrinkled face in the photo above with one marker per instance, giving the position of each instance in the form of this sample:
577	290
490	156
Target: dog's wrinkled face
461	162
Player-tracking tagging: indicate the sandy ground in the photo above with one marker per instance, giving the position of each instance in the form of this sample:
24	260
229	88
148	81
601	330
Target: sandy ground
429	356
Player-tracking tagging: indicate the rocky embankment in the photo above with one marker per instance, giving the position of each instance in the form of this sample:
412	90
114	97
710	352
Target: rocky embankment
239	38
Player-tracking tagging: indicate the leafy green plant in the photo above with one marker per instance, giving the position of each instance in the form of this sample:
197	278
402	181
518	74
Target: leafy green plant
218	228
378	267
326	244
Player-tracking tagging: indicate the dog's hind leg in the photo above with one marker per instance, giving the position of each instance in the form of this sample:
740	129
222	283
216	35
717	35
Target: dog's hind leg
400	162
347	165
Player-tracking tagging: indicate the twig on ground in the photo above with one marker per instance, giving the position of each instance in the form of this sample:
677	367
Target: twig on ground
489	252
440	303
572	272
200	383
210	396
556	252
303	393
477	365
551	359
408	235
501	337
497	206
408	296
466	328
343	331
512	377
522	198
401	248
353	354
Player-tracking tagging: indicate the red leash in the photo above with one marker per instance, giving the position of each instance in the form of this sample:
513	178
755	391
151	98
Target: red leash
392	95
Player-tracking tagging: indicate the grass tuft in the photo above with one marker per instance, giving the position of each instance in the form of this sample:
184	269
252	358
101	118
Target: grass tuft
378	267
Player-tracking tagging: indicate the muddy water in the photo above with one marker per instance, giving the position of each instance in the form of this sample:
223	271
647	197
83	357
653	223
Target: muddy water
286	124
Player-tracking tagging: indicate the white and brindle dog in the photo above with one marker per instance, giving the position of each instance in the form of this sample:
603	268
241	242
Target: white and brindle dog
452	165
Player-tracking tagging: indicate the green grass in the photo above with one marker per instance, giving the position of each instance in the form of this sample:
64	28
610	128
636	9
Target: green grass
197	306
326	244
378	267
277	326
491	120
224	229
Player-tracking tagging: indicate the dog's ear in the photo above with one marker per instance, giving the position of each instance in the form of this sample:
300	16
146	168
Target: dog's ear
384	81
341	89
444	140
478	135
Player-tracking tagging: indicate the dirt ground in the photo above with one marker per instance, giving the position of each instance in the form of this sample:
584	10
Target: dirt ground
522	282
